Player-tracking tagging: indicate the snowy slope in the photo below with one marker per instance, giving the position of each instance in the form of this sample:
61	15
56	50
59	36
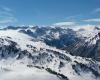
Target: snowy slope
76	41
27	56
20	72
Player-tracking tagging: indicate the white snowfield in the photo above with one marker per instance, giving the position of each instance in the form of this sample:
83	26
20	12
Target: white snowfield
13	69
21	39
21	72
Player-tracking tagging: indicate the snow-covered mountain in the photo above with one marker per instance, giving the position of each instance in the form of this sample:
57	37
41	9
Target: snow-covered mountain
81	42
46	53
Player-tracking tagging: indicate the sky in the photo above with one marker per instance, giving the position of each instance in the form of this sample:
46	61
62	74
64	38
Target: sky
47	12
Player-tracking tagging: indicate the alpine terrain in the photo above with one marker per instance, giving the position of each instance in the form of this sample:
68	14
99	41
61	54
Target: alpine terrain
49	53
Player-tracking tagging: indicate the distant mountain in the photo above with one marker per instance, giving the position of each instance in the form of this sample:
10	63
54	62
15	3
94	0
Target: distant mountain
81	42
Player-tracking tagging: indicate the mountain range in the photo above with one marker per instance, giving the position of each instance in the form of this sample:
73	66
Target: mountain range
49	53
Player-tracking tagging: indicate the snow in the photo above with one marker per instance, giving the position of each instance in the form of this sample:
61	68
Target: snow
21	72
12	69
21	39
56	35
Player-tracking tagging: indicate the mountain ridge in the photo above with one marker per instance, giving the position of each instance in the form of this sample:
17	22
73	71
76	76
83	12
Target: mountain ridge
27	48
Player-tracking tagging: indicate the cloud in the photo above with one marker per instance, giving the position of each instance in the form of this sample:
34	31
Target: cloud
88	27
92	20
8	20
96	10
6	15
6	8
64	23
74	25
75	17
